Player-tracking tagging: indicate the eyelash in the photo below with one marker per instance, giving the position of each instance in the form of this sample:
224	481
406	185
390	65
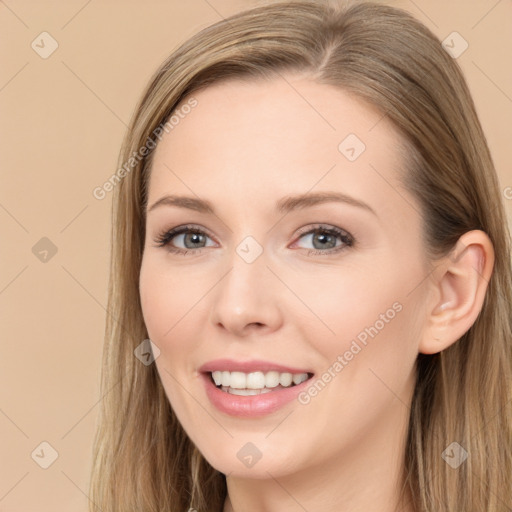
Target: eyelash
164	239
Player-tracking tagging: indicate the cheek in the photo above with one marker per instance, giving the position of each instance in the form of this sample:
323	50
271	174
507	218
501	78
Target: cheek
166	299
370	317
368	365
154	301
167	308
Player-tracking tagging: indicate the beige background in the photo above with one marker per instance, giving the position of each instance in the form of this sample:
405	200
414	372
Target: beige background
62	122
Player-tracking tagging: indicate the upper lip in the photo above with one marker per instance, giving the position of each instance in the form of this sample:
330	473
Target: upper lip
254	365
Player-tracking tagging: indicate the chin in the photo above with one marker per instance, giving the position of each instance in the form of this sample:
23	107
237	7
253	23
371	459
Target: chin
246	462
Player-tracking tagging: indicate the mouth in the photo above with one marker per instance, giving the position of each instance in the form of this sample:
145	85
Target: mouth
252	388
255	383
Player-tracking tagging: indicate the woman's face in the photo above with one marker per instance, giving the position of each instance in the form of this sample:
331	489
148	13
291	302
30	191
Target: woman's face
271	283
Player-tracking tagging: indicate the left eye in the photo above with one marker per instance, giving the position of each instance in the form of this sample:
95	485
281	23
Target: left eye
326	238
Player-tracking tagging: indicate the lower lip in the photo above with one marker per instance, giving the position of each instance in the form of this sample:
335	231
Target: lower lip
252	405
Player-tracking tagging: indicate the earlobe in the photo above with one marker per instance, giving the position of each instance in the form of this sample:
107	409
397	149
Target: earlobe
459	284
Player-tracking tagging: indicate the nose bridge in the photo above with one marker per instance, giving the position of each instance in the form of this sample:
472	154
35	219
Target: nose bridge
246	295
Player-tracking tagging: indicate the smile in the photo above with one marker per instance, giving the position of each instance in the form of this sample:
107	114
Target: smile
255	383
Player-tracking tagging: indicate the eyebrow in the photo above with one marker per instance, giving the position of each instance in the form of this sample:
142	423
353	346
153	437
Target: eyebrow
284	205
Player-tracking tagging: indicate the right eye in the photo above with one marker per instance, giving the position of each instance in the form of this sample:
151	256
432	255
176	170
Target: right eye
188	235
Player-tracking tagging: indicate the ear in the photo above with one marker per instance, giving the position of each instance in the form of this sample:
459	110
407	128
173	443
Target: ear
458	286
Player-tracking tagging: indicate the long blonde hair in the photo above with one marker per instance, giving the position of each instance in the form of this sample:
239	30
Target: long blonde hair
143	459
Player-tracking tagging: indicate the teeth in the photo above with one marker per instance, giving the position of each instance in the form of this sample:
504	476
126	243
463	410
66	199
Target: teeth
256	380
300	377
272	379
248	392
217	377
226	377
238	380
285	379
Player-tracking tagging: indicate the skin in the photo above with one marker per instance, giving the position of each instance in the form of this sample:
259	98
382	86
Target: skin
245	146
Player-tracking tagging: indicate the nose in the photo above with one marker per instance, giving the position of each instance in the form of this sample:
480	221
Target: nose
246	301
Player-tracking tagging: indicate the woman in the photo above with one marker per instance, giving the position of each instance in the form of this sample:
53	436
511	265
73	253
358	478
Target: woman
368	369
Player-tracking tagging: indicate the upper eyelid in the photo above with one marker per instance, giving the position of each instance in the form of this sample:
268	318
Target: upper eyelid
301	231
191	227
319	227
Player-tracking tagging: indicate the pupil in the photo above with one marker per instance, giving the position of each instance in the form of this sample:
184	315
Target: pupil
325	237
195	238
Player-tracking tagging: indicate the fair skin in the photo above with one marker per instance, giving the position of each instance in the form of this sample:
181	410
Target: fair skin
243	148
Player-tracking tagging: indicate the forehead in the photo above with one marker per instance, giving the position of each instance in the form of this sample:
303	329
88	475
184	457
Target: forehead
249	141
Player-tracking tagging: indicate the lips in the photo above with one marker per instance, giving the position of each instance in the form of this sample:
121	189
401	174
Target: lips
239	388
254	365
